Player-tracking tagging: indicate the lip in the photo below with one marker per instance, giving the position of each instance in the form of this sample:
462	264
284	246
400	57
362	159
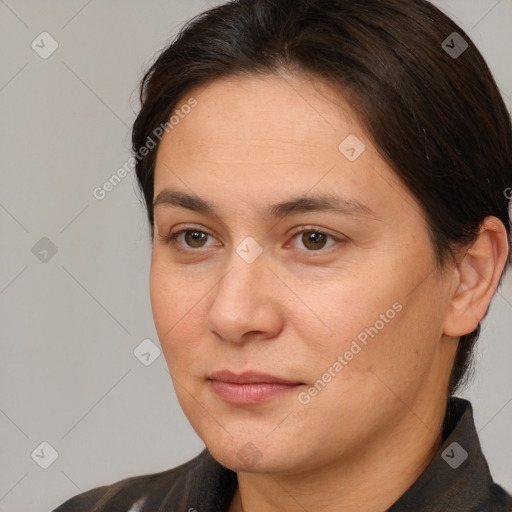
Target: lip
249	387
249	377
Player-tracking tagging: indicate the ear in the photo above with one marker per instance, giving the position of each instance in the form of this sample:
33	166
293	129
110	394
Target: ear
476	278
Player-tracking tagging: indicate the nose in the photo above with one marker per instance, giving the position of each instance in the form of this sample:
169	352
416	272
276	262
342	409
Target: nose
245	304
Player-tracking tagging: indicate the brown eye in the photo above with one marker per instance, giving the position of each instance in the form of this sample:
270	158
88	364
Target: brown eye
314	240
195	238
191	239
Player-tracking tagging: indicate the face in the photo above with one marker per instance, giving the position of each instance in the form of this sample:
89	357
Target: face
293	282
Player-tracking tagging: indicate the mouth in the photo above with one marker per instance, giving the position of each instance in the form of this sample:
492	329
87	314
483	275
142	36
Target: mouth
249	387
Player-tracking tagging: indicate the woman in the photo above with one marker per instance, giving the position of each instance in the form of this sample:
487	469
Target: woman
325	182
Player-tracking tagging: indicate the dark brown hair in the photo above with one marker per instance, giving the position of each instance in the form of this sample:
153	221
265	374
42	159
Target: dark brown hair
437	117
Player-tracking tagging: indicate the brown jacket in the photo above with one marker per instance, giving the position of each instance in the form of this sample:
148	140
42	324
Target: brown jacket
457	480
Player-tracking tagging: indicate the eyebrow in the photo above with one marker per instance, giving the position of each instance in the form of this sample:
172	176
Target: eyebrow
330	203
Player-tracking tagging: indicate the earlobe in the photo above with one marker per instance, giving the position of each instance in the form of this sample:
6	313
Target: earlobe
478	273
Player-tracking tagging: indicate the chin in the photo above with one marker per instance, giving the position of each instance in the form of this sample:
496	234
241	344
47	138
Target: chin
252	454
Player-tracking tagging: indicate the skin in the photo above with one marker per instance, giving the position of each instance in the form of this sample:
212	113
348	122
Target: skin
363	440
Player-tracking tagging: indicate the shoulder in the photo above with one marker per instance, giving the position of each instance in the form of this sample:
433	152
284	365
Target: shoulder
199	477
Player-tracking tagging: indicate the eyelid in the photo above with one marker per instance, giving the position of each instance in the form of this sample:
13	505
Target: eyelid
317	229
173	234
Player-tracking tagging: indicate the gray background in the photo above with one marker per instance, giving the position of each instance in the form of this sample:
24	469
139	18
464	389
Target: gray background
69	325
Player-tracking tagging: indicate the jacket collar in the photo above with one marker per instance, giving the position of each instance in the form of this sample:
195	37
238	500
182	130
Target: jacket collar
458	477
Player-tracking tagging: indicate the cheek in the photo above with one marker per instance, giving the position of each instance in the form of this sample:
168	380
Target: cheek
380	328
164	303
405	350
356	308
177	315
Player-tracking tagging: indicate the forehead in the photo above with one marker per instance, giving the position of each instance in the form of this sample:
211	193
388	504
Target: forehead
273	112
268	137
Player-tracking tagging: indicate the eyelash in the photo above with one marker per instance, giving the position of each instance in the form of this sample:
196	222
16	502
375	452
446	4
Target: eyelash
172	237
